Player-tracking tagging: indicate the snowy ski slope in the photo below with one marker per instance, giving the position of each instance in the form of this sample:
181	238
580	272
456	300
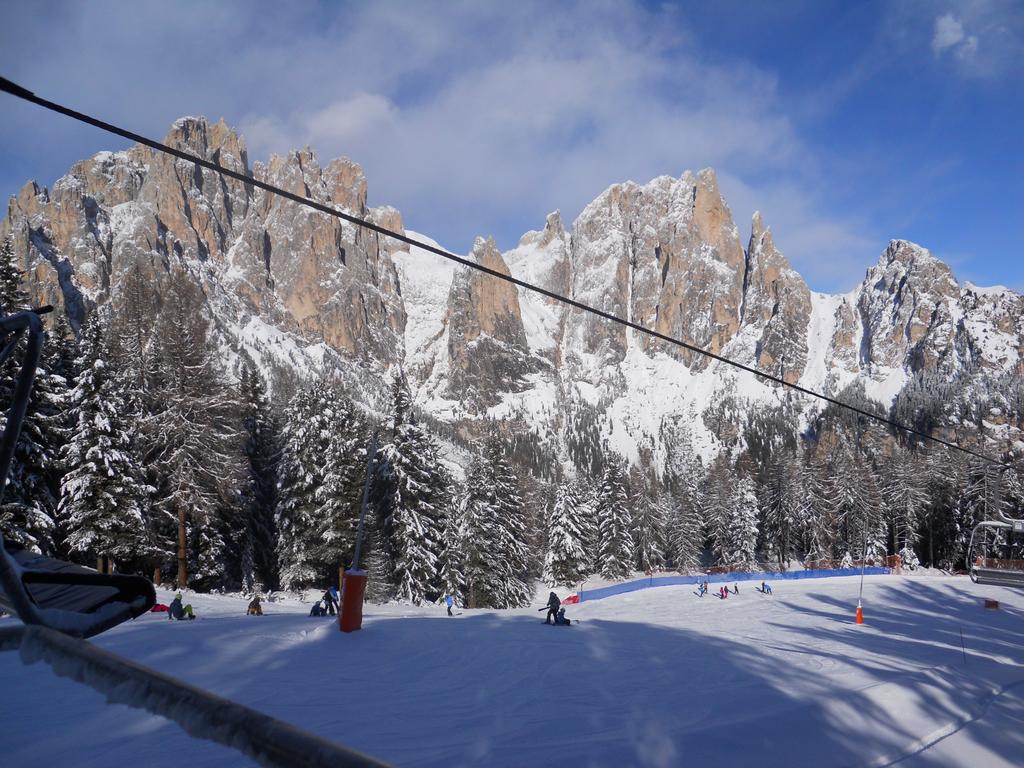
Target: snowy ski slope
652	678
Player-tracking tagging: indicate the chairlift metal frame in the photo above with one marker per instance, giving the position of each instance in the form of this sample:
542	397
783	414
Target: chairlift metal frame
986	574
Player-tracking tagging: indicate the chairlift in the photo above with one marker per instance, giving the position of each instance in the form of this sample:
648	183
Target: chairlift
43	591
1002	572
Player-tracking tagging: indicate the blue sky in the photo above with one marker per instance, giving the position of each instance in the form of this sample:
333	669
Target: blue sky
847	124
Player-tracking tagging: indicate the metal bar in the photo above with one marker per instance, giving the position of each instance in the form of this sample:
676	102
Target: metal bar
201	714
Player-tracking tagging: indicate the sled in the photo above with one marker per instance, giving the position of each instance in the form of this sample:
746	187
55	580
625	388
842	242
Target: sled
41	590
999	572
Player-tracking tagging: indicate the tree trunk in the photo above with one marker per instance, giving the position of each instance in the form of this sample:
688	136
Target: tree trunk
182	551
157	575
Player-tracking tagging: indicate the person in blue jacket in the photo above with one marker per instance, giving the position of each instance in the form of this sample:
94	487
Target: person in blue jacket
450	601
176	611
330	599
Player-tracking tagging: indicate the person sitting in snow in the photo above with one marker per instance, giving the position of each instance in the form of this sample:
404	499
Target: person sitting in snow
766	587
318	609
177	611
552	606
254	609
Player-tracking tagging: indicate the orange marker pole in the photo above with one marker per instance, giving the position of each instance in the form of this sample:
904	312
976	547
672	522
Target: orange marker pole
860	613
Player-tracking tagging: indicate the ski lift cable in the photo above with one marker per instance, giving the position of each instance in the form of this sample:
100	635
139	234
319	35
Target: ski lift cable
23	93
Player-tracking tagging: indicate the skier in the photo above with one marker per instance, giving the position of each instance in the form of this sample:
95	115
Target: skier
254	609
318	609
176	611
560	618
450	601
766	588
735	589
552	606
330	599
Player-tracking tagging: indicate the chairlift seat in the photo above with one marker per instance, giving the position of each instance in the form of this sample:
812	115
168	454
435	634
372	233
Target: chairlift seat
997	577
70	598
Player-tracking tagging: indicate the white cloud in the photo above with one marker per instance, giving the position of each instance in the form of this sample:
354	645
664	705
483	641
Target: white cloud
948	32
471	118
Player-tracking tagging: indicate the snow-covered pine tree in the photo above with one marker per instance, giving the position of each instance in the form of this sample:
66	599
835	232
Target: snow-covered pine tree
259	488
493	534
29	509
103	495
194	436
511	529
451	564
566	562
411	490
905	497
12	296
817	526
784	503
648	529
685	535
737	537
343	472
305	440
613	519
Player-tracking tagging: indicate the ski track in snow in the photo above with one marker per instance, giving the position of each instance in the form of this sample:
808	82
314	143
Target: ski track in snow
652	678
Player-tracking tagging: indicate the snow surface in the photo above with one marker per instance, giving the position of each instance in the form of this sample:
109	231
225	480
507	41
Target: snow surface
652	678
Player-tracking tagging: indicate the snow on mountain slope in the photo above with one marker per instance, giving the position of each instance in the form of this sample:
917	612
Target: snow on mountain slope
652	678
425	279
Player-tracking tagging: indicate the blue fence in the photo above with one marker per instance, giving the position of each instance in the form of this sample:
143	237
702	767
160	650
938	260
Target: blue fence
715	578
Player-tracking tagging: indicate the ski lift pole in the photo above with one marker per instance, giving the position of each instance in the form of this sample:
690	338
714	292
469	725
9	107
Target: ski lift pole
353	580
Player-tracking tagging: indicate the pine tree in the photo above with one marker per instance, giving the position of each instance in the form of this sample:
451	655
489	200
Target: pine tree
685	531
784	507
339	496
616	546
649	532
306	439
493	530
566	561
905	501
193	437
411	489
259	427
102	496
451	560
12	296
736	537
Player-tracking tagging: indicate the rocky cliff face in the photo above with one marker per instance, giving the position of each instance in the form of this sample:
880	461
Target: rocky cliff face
266	265
294	287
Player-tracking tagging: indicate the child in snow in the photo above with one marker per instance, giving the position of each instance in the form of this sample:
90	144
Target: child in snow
318	609
254	608
735	589
766	587
560	618
450	601
176	611
552	606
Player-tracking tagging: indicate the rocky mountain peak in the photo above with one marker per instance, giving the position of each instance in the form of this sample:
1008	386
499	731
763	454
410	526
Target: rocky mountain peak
487	349
776	305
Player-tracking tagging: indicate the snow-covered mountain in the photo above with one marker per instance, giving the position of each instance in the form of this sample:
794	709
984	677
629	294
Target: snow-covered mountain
301	291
